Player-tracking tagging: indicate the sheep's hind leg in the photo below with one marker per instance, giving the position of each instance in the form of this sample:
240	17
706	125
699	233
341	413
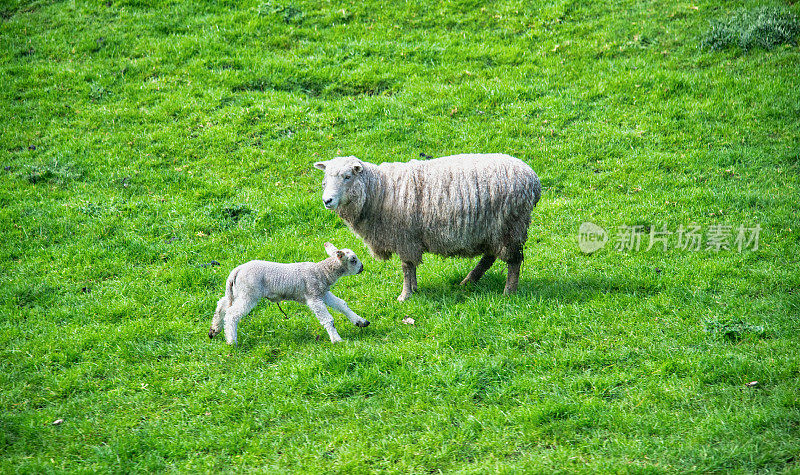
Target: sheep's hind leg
483	265
325	318
409	280
235	312
340	305
514	266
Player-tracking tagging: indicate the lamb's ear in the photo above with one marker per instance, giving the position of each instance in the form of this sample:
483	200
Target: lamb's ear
320	165
357	168
330	249
340	255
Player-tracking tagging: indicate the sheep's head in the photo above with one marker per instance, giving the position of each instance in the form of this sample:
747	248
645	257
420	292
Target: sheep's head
342	183
347	258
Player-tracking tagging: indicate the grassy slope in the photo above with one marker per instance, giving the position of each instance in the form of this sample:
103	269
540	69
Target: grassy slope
169	137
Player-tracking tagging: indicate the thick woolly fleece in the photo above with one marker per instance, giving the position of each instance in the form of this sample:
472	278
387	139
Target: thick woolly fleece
304	282
461	205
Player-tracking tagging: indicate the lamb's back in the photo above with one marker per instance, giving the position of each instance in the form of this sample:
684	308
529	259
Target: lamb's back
274	280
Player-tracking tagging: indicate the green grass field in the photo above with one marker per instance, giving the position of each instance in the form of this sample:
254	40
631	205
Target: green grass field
142	140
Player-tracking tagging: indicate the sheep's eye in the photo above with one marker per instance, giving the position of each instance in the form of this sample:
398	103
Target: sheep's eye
348	176
353	260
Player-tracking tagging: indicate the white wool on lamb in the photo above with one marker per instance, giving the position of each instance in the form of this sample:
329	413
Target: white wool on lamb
304	282
462	205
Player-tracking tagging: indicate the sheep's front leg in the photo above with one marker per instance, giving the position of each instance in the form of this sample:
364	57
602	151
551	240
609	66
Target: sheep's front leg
409	280
325	318
338	304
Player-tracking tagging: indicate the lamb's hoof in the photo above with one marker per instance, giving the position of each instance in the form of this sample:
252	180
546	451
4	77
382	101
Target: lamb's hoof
211	334
403	297
363	324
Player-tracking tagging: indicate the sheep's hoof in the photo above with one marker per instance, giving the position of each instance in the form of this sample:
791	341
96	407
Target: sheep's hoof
212	334
403	297
363	324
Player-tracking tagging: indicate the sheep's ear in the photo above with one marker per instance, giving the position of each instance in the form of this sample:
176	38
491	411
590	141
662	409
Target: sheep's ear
340	255
320	165
330	249
357	168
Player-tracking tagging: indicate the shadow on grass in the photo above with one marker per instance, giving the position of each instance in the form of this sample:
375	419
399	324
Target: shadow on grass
567	290
584	288
268	326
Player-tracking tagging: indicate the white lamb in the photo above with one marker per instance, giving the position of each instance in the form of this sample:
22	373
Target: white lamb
304	282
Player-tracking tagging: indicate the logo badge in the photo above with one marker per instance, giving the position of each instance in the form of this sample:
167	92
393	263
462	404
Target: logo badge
591	237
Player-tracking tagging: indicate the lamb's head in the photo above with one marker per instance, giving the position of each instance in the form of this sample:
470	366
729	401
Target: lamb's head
347	258
343	183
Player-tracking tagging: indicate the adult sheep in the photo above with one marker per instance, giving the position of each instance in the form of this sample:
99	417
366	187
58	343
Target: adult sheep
462	205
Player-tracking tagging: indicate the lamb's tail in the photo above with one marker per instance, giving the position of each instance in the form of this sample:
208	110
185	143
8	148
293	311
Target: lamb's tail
229	286
279	308
222	306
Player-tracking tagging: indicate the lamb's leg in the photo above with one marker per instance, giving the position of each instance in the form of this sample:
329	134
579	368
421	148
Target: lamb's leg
483	265
219	315
409	280
325	318
512	281
238	309
340	305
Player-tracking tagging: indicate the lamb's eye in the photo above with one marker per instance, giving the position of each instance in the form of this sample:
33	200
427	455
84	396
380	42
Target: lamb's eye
353	260
348	176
